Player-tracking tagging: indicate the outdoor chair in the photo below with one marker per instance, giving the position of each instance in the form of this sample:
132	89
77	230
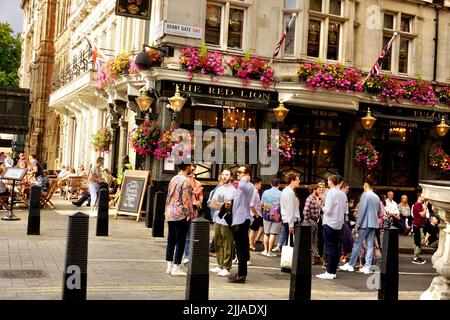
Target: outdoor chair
73	187
45	197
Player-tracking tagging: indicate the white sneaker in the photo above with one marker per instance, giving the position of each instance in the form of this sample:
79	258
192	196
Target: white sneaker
347	267
169	267
326	276
235	261
216	269
276	249
264	253
224	273
185	260
249	263
178	271
271	254
364	270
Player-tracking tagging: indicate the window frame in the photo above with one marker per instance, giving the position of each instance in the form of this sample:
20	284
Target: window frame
226	5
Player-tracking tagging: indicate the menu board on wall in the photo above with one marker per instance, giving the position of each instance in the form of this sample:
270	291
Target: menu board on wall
139	9
132	192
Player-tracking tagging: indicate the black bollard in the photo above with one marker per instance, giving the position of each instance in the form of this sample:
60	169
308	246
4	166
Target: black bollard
34	211
149	208
75	266
158	214
197	282
388	289
300	288
102	215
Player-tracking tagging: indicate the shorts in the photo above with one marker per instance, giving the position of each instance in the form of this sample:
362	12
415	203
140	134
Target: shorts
257	223
272	227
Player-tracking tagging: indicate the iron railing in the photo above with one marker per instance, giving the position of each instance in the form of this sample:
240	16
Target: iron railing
80	64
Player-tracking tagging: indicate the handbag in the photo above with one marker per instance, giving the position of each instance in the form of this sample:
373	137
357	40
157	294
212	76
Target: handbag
286	255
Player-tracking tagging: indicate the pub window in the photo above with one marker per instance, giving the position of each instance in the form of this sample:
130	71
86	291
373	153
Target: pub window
388	22
224	24
336	7
386	61
290	7
403	56
315	5
333	41
314	38
325	29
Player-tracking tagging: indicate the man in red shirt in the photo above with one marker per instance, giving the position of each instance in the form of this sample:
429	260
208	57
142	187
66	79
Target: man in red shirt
419	222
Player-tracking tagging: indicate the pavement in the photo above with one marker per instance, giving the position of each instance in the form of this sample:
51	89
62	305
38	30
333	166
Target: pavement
129	264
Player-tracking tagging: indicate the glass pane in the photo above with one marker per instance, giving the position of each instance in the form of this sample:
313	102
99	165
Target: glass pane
238	118
212	25
314	38
290	4
208	117
403	56
386	61
335	7
333	41
315	5
236	25
405	24
388	21
289	42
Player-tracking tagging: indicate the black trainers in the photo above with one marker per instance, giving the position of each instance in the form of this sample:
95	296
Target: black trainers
234	278
76	203
418	260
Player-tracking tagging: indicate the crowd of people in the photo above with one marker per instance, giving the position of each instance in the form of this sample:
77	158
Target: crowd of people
341	231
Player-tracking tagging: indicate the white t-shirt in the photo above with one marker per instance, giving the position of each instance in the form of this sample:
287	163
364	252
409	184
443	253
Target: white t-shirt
223	194
391	207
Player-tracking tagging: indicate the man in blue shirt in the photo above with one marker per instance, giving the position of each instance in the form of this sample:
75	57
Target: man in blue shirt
366	224
241	223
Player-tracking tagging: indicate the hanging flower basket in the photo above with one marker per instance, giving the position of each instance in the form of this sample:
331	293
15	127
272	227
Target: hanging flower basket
114	68
101	140
444	95
171	140
438	159
284	145
251	68
366	155
144	139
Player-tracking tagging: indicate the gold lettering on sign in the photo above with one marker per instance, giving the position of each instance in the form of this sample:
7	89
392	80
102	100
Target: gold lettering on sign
212	90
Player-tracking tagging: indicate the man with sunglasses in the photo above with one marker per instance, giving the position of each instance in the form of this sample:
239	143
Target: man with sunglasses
241	223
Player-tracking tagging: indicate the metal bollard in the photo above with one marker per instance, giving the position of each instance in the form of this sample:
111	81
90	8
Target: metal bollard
75	266
300	288
103	211
158	214
34	211
149	208
389	266
197	282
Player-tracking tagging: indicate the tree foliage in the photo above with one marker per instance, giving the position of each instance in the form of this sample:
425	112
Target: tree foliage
10	54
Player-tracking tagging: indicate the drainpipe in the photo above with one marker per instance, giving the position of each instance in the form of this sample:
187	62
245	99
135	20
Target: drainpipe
437	7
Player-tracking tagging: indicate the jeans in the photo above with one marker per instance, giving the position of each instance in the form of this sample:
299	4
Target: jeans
417	241
176	240
332	239
367	234
284	233
242	243
188	241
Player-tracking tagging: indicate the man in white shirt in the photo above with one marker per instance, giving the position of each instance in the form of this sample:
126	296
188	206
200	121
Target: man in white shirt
333	219
289	203
223	236
392	211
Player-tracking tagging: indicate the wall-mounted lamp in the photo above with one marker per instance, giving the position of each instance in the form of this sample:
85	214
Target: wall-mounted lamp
368	121
144	101
442	128
177	101
280	112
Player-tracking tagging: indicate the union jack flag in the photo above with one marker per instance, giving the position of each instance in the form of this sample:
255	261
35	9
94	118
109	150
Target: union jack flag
96	56
376	69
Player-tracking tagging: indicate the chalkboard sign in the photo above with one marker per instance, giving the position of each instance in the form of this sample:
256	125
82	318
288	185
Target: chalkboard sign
16	174
132	193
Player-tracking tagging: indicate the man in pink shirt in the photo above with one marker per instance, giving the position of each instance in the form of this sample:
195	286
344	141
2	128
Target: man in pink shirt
419	221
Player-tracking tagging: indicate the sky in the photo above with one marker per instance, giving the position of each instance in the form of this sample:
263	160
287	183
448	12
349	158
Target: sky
12	13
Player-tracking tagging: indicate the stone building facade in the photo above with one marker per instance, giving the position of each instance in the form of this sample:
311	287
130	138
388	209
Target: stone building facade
327	124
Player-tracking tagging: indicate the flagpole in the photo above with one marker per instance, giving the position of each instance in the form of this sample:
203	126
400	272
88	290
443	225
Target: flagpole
389	44
283	37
